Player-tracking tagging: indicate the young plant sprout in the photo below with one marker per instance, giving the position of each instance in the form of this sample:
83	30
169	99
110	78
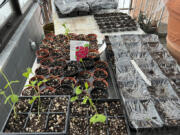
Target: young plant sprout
82	52
96	117
12	99
66	29
36	85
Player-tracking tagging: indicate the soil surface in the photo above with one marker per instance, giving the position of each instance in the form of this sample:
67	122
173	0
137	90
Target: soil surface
59	104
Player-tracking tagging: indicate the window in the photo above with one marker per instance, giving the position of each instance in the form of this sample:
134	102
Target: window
24	4
5	12
12	13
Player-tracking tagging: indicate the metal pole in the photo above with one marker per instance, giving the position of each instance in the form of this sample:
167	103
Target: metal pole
162	12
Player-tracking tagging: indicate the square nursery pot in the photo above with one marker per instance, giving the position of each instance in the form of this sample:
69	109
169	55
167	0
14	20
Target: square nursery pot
52	120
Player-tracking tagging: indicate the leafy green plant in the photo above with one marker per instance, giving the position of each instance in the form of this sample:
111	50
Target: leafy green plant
96	117
12	99
36	85
66	29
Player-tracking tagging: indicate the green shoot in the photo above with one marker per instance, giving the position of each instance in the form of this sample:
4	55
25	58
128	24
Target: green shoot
66	29
96	117
12	99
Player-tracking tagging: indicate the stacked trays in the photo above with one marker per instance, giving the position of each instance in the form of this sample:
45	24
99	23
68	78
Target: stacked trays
152	108
115	22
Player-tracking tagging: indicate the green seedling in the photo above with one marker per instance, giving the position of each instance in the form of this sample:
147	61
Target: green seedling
66	29
12	99
33	85
96	117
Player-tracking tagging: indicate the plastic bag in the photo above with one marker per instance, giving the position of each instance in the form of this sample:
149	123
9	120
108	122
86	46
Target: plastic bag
103	4
67	7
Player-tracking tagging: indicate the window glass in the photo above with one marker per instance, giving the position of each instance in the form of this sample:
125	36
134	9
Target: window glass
22	3
5	12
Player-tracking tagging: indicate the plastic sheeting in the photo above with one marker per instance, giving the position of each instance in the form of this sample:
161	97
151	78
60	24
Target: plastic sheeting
69	6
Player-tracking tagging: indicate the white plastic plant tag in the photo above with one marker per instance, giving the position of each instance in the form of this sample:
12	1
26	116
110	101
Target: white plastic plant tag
73	45
102	48
140	72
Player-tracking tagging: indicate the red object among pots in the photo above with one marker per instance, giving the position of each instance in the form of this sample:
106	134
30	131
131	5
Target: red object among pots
100	74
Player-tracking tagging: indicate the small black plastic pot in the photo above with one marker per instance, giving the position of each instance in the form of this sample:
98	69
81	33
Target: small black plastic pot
99	93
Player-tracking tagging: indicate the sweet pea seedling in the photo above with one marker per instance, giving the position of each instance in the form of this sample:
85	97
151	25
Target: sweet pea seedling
96	117
66	29
12	99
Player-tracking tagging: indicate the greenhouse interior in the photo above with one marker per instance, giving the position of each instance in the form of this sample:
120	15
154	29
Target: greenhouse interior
89	67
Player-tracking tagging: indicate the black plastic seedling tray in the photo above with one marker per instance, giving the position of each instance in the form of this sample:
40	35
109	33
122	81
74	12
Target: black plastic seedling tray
48	114
103	102
115	22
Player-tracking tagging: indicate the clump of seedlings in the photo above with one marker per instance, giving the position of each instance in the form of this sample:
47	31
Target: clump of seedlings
96	118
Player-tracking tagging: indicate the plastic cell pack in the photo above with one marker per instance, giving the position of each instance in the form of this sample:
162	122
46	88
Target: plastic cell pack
127	39
137	91
169	111
149	38
142	114
162	89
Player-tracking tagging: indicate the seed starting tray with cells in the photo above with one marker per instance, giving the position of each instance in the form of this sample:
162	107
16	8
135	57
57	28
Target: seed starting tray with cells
140	98
54	108
115	22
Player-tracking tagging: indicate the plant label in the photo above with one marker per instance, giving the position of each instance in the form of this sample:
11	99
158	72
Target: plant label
102	48
73	45
141	72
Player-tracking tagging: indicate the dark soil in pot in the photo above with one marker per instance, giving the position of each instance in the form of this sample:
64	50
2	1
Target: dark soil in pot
99	83
36	123
84	75
87	63
46	62
64	90
81	83
37	78
78	126
48	91
42	53
70	81
42	71
99	93
114	108
56	123
57	71
71	70
15	124
100	74
81	37
94	54
56	54
59	104
78	109
60	63
23	105
29	91
98	129
53	81
101	65
117	126
44	105
100	107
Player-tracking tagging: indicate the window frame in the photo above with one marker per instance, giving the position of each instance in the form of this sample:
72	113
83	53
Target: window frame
12	23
